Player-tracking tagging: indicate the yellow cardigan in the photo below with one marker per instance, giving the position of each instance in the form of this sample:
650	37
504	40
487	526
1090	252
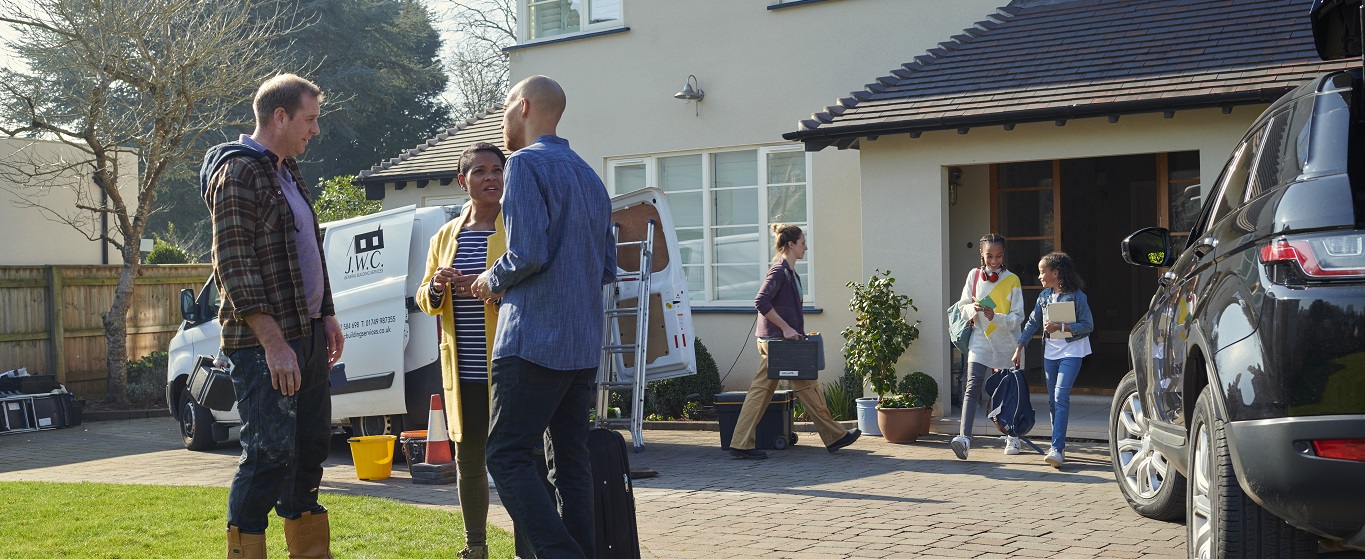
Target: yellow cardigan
442	253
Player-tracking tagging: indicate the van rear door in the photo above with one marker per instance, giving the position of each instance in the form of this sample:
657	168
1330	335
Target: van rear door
671	339
367	265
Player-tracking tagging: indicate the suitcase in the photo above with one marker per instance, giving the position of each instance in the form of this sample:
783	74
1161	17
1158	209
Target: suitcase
614	500
211	386
775	429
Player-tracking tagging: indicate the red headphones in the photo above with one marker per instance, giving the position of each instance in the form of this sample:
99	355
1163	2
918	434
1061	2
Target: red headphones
990	276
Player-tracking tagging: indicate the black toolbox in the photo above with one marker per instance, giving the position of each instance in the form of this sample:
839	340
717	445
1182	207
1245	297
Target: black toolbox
774	431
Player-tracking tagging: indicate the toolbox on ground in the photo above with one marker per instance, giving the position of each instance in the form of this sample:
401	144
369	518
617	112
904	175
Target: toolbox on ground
774	430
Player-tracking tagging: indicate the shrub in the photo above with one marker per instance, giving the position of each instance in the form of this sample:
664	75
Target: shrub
146	387
900	401
921	385
839	400
669	397
167	253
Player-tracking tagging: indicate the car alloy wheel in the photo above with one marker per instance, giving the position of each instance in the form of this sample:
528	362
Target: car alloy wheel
1152	487
1200	515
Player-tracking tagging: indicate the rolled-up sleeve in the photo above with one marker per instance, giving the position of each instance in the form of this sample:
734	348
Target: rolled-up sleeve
235	222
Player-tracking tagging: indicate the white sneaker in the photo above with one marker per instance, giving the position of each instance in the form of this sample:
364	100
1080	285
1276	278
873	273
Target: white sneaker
961	445
1055	458
1011	445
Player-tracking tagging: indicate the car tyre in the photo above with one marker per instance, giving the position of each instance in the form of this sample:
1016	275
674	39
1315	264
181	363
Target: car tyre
1152	487
196	424
1221	520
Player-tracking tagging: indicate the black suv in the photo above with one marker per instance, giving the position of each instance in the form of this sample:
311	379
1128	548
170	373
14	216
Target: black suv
1245	408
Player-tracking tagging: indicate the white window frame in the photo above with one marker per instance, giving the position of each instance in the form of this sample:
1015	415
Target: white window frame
651	166
524	22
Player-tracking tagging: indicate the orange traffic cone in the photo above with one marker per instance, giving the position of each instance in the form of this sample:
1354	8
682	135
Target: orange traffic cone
438	437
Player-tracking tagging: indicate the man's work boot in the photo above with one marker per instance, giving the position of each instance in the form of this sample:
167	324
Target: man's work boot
244	546
308	536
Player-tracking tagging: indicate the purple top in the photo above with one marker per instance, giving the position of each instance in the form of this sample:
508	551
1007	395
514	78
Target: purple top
310	255
781	290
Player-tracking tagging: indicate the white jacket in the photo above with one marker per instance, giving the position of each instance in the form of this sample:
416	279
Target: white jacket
996	349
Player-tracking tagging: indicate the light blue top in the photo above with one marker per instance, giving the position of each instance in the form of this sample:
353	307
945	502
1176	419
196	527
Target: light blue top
559	255
1085	322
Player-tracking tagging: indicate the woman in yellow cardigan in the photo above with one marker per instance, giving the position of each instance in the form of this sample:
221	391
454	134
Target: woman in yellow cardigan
460	251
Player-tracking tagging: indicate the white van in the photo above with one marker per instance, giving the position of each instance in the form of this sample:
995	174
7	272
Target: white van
375	263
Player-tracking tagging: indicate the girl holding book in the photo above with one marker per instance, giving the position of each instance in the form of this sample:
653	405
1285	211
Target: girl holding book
995	297
1066	341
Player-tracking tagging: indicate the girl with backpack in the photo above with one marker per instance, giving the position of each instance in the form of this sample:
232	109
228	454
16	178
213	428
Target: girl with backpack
1061	355
996	298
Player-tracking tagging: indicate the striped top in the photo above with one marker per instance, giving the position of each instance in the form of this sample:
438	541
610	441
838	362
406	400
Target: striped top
471	344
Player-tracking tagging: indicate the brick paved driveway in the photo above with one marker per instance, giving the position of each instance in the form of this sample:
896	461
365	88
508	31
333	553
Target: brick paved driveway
870	500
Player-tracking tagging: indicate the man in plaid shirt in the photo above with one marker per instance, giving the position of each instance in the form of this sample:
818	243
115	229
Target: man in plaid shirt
279	328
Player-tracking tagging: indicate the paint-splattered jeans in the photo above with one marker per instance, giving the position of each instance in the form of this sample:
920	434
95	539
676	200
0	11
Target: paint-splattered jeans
284	438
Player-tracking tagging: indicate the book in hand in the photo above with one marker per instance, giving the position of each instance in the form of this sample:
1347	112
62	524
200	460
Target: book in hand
1063	312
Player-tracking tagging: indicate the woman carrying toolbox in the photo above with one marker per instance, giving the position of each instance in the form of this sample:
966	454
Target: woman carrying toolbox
1064	314
779	308
995	296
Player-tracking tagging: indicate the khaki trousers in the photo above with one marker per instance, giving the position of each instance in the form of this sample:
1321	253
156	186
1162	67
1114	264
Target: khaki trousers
761	393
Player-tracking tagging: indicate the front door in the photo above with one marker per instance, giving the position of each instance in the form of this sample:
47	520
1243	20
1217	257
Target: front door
1085	207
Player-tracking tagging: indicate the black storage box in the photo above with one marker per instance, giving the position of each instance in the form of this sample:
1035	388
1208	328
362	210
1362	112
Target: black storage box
211	386
52	411
774	431
37	384
794	359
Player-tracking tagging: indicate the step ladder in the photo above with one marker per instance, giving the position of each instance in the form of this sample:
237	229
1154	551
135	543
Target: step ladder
613	350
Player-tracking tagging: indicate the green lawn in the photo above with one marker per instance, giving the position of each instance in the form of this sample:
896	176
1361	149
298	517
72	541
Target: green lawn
107	521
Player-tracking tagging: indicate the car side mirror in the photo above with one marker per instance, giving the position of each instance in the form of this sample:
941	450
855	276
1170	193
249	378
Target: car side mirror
1150	247
187	307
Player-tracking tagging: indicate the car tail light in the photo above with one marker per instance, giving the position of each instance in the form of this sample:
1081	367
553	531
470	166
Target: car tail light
1341	449
1339	256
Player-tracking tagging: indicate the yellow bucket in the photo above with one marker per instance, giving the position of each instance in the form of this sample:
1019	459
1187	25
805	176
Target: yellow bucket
373	456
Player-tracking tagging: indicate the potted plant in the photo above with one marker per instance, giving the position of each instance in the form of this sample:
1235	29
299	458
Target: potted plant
900	418
880	334
926	388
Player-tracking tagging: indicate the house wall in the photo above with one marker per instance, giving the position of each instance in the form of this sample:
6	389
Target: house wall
31	236
910	229
761	71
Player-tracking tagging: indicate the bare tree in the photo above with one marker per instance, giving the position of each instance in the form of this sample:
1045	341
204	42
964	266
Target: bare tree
124	81
476	62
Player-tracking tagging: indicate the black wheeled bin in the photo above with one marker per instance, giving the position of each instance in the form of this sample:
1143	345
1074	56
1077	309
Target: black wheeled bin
774	431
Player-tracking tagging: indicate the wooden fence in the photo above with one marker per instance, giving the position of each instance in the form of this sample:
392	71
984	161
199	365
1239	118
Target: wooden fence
50	318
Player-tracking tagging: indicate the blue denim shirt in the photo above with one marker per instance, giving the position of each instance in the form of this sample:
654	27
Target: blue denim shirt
559	255
1084	325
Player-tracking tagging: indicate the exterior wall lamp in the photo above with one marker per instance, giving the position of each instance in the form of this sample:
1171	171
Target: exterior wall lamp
954	182
691	91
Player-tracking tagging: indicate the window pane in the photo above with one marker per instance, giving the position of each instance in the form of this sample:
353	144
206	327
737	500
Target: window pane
735	207
787	204
630	178
680	173
552	17
786	167
735	168
1031	174
1026	214
739	283
696	283
690	246
604	10
1185	200
686	209
1233	183
1266	175
737	245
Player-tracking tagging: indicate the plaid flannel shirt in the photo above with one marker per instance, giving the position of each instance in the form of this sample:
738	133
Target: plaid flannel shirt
254	256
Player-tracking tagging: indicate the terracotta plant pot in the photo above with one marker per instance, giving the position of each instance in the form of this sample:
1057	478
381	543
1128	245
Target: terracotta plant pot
902	425
928	420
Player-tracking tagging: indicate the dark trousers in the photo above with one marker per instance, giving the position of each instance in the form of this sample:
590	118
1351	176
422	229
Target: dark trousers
532	404
284	438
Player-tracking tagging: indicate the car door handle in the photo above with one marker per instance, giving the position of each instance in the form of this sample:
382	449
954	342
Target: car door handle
1204	246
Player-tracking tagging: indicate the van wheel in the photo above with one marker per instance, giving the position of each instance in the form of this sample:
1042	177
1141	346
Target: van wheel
1222	521
196	424
1150	485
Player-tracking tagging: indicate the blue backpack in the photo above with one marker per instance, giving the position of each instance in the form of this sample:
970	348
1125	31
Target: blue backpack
1011	411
